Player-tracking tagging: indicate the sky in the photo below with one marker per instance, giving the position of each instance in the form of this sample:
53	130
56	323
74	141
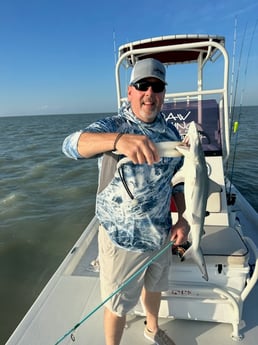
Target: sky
58	56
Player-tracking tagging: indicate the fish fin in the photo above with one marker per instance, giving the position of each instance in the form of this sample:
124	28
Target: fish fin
178	177
183	149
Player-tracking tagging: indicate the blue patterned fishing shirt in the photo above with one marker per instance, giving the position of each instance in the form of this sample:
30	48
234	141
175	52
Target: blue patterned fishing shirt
141	224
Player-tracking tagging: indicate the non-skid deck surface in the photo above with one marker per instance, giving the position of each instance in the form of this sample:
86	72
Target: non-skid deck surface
183	332
74	297
71	297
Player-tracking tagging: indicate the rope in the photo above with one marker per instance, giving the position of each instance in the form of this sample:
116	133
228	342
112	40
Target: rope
141	269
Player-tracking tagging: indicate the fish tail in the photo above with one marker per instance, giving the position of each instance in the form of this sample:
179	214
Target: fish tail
198	258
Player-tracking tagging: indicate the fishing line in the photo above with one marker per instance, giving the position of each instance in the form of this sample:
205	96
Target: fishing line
233	99
141	269
247	62
114	46
236	123
237	78
233	67
233	115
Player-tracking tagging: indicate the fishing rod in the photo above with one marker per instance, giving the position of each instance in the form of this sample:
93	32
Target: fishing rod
247	61
233	99
128	280
233	67
237	79
236	123
114	46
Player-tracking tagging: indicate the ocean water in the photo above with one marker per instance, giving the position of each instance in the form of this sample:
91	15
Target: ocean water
46	200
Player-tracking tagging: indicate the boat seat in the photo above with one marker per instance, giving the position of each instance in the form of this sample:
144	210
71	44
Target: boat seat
224	245
216	176
214	203
220	246
205	114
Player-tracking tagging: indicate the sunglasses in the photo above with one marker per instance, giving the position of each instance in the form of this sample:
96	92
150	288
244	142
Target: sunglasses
144	85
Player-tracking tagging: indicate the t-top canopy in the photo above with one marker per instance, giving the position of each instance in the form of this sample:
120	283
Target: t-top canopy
184	53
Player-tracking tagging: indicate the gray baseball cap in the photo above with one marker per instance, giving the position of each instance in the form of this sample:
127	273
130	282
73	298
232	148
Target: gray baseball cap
148	68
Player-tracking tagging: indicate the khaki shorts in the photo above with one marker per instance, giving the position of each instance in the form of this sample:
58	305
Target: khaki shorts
117	265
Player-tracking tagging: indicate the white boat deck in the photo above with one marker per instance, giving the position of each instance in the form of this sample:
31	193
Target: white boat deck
73	293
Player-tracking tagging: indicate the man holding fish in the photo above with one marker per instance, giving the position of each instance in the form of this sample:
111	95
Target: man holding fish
133	207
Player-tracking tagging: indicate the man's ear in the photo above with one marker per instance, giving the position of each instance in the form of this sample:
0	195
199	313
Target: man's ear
129	92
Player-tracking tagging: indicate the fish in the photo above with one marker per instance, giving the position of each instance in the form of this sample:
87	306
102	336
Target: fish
165	149
194	175
196	189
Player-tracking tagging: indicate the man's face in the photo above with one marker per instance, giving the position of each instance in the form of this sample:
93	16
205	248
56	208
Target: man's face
146	104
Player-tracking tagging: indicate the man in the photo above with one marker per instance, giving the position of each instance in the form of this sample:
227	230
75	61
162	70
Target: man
133	208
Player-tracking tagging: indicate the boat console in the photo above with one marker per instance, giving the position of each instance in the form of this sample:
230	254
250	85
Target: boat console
221	298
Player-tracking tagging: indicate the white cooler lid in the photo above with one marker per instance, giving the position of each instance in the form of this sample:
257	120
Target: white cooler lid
226	243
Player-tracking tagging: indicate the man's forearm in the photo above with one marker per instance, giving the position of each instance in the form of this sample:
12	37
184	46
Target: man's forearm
91	144
179	199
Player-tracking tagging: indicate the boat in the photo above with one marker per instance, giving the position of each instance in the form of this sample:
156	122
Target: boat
222	310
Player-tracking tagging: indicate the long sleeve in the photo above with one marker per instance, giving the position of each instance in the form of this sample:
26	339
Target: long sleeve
70	145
